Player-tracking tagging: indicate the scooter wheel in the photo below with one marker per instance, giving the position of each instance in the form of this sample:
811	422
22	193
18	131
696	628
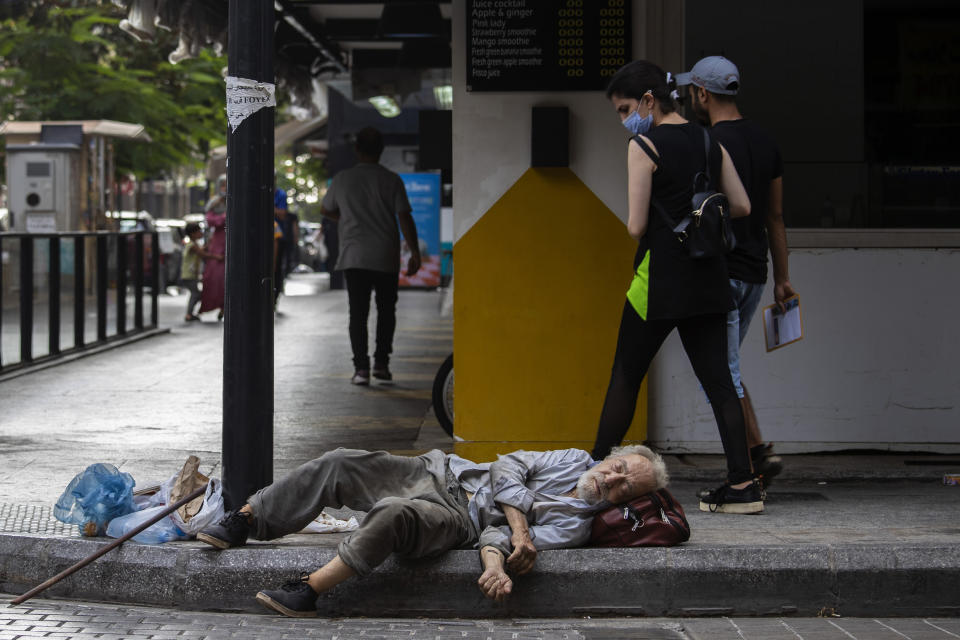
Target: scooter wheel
443	395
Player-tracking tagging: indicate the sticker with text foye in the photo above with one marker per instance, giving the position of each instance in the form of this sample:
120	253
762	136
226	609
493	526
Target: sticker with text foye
245	97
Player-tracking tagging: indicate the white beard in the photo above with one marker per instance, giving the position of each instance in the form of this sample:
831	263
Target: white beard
587	489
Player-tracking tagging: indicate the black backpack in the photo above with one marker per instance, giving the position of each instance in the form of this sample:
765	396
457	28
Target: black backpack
706	231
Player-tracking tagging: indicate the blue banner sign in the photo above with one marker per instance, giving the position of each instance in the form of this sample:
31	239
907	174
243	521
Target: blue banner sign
423	191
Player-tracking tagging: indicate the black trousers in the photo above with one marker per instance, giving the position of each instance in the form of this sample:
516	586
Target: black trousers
278	276
704	339
284	263
384	285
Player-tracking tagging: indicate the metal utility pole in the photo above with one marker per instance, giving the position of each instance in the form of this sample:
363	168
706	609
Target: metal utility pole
248	311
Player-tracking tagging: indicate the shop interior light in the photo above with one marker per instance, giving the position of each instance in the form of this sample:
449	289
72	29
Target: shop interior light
443	94
386	105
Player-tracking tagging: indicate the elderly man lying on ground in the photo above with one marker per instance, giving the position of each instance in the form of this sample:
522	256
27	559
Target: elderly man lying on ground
525	502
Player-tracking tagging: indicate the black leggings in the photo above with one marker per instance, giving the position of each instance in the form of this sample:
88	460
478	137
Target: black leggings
705	341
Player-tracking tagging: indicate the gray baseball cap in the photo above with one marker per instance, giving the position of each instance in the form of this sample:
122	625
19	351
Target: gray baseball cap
716	74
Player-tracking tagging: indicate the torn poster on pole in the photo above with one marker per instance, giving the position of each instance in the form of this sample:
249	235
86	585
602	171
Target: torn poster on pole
245	97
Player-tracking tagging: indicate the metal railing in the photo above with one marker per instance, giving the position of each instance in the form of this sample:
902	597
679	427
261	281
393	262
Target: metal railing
96	267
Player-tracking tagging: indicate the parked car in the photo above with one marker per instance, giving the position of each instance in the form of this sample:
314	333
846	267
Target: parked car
131	220
199	218
169	240
310	248
127	221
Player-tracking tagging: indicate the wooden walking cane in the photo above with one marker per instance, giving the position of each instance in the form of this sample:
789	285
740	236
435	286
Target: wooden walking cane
110	547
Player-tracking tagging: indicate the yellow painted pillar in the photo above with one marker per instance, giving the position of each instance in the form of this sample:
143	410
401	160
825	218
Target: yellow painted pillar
541	280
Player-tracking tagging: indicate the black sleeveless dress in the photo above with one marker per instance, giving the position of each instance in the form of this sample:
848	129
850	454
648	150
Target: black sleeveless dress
668	284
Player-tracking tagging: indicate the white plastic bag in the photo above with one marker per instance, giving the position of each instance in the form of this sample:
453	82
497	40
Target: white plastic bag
165	530
210	512
325	523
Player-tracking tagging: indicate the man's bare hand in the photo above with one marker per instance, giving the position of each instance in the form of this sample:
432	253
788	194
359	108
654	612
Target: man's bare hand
524	554
782	291
413	264
495	584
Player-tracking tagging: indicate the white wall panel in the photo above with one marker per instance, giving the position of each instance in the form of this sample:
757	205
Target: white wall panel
877	366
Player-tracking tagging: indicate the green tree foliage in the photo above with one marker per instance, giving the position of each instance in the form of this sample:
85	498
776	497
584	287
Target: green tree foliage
304	178
70	61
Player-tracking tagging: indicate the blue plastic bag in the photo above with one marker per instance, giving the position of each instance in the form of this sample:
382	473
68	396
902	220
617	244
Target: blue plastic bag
97	495
163	531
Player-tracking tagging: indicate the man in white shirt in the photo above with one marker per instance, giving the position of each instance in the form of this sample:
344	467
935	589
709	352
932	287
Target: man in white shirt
510	509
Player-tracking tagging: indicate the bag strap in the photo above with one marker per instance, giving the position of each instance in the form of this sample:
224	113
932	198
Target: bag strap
672	508
706	155
643	145
678	228
706	165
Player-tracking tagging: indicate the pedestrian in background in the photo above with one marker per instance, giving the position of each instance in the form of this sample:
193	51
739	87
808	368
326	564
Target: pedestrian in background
290	226
368	200
712	85
214	271
190	268
671	290
284	224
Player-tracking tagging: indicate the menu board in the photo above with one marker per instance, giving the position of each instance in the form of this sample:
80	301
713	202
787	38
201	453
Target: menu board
546	45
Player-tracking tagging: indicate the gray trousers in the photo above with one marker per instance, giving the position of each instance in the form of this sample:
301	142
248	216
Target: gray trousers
414	506
190	285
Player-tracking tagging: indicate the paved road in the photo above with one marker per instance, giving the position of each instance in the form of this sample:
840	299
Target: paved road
59	619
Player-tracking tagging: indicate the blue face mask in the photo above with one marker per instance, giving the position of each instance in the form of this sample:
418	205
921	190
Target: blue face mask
637	125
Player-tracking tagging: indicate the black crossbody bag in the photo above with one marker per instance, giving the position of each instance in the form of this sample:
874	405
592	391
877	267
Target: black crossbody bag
706	231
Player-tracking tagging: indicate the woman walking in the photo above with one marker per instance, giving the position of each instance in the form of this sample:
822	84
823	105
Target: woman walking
670	289
214	270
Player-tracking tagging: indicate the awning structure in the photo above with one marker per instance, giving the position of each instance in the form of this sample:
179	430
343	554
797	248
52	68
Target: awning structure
107	128
381	45
295	130
310	132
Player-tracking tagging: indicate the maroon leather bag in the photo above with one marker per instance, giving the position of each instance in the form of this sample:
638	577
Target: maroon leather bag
653	520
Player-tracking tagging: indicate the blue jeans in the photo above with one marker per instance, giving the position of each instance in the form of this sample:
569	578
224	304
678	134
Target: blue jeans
746	297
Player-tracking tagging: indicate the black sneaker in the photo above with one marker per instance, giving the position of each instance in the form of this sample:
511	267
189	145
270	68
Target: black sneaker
296	599
382	372
232	531
766	464
706	493
726	499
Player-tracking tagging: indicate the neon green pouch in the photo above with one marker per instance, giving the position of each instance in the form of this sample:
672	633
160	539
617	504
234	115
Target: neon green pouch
639	292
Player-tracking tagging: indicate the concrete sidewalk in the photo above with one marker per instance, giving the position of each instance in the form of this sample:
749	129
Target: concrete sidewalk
865	535
144	407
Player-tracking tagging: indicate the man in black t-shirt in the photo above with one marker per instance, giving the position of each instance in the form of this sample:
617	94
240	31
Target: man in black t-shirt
712	85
